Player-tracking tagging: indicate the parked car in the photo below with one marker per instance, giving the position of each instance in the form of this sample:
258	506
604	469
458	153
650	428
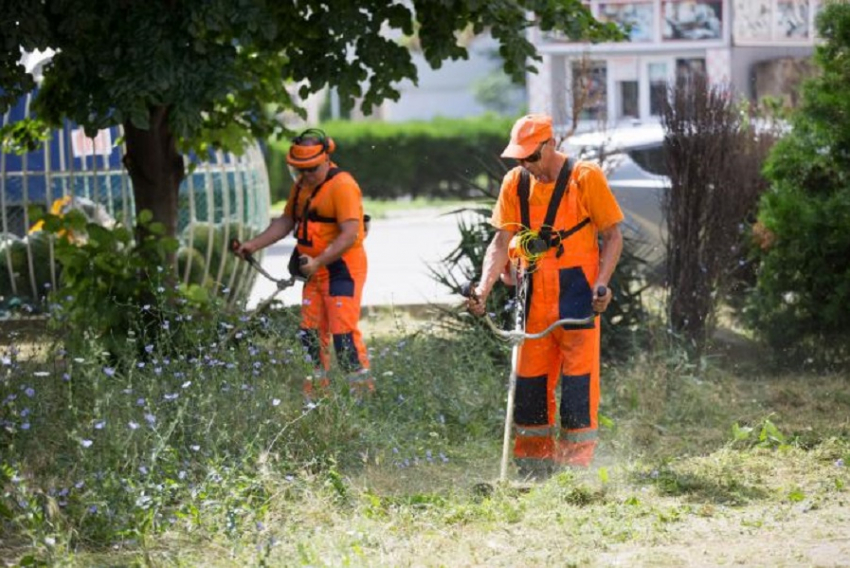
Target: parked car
633	160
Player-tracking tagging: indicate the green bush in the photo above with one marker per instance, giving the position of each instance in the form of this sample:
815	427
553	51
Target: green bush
391	160
801	304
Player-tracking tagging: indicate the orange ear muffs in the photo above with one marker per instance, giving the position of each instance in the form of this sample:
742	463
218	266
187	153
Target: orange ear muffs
309	148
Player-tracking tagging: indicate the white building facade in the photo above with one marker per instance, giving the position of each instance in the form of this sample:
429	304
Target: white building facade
756	47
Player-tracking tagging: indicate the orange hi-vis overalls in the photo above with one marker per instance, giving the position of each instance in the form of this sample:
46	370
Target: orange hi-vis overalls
330	300
559	287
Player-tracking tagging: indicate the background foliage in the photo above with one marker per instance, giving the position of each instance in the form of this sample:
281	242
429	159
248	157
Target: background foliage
801	304
436	158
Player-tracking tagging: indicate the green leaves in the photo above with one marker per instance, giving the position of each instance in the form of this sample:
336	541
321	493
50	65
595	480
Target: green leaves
217	65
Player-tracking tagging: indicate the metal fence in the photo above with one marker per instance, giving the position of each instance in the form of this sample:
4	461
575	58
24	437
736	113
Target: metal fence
223	196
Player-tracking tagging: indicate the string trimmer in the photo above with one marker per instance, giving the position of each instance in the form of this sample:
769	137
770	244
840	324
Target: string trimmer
515	338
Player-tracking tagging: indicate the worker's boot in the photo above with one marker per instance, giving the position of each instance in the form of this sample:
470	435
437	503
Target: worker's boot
361	384
535	469
316	386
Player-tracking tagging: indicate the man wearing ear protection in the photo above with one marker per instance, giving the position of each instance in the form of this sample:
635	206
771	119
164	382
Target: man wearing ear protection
325	210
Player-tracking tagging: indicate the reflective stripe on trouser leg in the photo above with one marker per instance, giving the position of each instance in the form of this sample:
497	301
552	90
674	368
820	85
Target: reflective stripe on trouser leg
579	395
533	434
534	417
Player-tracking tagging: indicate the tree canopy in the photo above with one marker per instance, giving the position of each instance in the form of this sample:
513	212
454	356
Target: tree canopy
220	67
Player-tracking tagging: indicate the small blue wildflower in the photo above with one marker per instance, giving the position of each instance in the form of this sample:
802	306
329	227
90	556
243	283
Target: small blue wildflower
132	425
25	426
100	424
149	348
140	402
150	419
29	391
86	443
109	371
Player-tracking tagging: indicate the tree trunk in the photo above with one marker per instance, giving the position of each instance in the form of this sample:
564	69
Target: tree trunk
156	169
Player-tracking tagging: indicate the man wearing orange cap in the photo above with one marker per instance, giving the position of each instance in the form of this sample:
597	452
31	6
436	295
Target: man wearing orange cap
325	209
549	218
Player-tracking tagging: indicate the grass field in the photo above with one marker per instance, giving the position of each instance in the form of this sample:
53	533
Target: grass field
212	459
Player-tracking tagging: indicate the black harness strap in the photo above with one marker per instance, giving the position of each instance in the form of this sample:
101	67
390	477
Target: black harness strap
547	237
306	212
555	200
524	191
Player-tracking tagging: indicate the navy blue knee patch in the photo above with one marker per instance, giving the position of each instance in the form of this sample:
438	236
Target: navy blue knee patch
575	401
346	352
531	408
309	339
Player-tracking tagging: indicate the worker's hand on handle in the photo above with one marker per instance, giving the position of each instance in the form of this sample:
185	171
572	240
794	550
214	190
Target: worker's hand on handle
475	302
243	250
601	298
308	265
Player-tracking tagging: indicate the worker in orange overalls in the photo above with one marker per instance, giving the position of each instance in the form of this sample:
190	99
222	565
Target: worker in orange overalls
325	209
552	227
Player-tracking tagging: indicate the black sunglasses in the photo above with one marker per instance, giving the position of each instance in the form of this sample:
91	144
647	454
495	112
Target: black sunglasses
308	170
535	157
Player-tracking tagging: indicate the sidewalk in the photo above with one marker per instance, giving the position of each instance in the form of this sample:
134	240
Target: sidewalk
400	250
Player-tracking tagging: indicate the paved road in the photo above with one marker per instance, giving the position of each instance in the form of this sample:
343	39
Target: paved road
400	250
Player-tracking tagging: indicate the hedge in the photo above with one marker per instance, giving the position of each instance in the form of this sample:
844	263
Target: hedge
438	158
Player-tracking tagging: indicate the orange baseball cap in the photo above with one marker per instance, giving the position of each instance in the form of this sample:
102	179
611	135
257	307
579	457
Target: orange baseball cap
527	134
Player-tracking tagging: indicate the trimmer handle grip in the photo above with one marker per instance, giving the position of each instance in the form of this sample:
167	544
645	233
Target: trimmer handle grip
467	290
235	245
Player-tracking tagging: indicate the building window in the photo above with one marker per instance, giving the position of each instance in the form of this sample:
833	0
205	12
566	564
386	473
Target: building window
760	21
589	91
628	107
687	69
635	17
692	19
657	87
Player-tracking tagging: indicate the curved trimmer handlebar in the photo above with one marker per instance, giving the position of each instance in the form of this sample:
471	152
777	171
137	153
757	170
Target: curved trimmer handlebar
518	336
